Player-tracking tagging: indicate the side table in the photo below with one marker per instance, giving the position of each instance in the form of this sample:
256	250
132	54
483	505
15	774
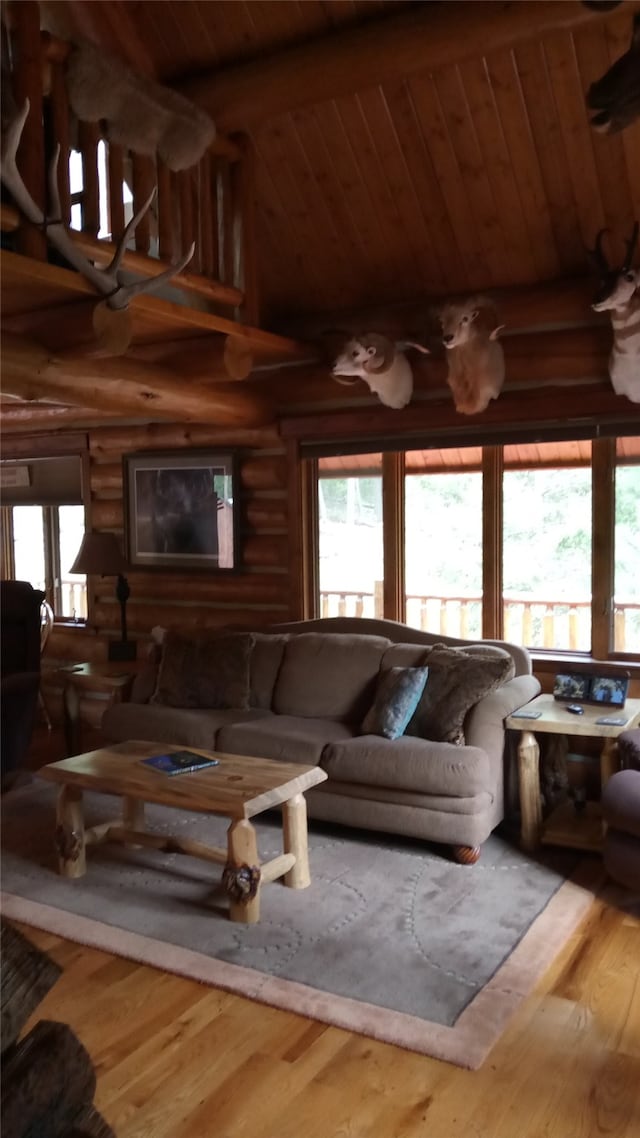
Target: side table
111	680
565	826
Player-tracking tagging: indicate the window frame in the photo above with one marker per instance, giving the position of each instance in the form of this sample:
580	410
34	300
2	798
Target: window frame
603	467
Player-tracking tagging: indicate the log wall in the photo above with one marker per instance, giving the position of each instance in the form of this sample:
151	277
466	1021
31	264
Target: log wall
256	596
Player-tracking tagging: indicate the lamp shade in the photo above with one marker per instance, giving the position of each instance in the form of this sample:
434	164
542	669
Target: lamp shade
99	553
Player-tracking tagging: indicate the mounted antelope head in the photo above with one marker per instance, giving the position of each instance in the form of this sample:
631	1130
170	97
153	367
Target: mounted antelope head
106	281
619	293
382	364
475	359
616	96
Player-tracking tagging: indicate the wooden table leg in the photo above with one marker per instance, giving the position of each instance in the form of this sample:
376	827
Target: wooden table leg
69	839
132	816
295	838
241	877
529	780
71	708
609	761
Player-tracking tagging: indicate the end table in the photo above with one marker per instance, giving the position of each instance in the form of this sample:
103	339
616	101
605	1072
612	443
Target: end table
113	680
565	826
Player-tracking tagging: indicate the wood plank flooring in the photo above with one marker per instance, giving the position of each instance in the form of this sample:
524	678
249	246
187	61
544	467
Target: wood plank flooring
176	1059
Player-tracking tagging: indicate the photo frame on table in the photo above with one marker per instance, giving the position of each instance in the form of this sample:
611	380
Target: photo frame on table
596	687
181	510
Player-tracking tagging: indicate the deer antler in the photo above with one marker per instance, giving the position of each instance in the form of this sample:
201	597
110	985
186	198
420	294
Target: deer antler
105	280
631	248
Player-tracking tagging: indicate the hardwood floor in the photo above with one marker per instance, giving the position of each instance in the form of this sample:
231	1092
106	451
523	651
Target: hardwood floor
175	1059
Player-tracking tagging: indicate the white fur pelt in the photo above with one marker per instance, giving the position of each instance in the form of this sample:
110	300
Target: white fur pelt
474	357
139	113
623	306
384	368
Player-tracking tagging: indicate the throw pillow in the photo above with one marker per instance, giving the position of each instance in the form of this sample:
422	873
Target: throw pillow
397	695
457	681
204	669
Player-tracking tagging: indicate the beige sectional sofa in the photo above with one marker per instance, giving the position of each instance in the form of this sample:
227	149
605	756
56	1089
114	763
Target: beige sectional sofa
307	689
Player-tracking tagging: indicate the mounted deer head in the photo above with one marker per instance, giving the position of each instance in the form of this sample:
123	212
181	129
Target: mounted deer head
106	281
619	294
616	285
616	96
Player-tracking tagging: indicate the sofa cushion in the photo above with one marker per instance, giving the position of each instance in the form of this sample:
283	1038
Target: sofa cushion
181	726
457	681
289	738
204	669
397	696
266	659
409	764
330	675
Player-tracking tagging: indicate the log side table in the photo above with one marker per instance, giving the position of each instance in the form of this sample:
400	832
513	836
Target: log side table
113	681
565	826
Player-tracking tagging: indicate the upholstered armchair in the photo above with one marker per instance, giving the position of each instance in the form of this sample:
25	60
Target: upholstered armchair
19	671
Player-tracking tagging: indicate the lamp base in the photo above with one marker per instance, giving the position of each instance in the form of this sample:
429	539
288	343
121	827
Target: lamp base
122	650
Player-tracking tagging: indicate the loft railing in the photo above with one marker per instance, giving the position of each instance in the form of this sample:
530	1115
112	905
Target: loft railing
209	204
536	623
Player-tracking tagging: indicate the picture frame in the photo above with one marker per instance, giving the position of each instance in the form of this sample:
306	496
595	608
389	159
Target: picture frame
601	688
571	687
181	510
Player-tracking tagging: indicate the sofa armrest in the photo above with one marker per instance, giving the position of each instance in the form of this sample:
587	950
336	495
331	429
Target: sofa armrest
485	723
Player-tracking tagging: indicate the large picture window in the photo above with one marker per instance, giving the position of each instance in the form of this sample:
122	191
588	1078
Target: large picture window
538	542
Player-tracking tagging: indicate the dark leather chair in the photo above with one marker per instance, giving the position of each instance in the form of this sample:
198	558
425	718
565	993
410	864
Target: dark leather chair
19	672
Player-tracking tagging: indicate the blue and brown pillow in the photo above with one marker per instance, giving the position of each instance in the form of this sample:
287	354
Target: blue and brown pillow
397	696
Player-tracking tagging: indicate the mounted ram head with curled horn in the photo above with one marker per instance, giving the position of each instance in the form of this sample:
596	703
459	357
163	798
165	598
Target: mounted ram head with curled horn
381	363
107	281
475	360
619	294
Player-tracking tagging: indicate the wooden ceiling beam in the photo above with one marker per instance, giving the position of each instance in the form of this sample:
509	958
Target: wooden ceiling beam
522	308
126	387
384	50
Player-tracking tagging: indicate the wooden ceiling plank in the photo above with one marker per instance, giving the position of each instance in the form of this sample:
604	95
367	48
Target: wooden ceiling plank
608	151
473	172
381	217
524	163
342	268
450	266
297	225
569	98
552	157
408	42
447	171
617	35
496	161
332	204
400	190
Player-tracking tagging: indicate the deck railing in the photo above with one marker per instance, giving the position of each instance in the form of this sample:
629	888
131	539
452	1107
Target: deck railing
537	623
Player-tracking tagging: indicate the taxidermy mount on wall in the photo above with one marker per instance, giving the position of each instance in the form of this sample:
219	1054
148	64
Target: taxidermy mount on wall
616	96
138	113
475	359
382	364
619	294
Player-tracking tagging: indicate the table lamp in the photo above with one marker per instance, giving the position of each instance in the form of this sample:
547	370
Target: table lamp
101	555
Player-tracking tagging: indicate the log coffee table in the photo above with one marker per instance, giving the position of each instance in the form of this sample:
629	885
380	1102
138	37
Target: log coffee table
238	788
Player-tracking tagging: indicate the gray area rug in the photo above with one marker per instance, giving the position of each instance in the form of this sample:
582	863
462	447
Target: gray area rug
390	939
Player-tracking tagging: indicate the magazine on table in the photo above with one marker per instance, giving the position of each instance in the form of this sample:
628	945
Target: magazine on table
179	762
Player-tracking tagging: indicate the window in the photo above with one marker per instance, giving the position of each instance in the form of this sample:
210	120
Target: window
350	536
626	592
538	542
43	526
546	549
443	542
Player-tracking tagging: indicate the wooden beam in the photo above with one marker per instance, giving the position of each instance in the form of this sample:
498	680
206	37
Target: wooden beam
125	386
20	417
561	303
381	51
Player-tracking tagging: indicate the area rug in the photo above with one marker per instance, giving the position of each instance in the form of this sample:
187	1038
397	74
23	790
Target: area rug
391	940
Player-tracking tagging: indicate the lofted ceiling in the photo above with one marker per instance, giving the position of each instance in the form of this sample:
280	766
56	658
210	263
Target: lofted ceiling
478	173
402	152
